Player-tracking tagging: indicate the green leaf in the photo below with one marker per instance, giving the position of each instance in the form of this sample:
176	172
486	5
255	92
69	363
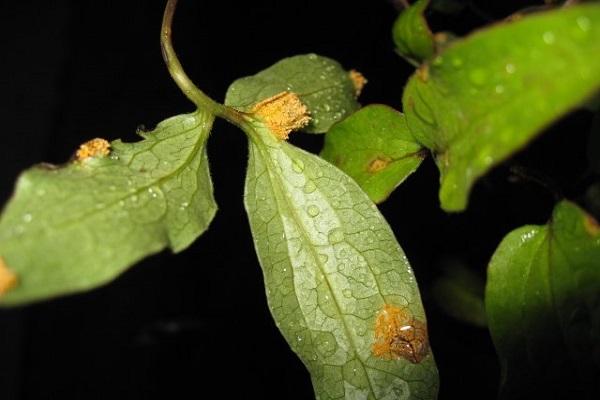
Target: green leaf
459	293
75	227
321	83
375	147
412	35
543	306
487	95
334	272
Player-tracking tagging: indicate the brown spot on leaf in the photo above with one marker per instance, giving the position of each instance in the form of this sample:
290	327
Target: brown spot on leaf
423	72
358	80
282	114
93	148
399	335
591	225
378	164
8	279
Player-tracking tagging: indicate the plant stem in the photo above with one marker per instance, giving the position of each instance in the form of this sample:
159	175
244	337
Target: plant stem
186	85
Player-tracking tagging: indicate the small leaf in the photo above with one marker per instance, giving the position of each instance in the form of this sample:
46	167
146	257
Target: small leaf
487	95
375	147
412	35
338	284
459	293
321	83
75	227
543	306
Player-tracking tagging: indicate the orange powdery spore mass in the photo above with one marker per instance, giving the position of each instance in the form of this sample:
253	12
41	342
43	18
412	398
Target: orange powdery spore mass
358	80
8	279
282	114
377	165
399	335
591	226
93	148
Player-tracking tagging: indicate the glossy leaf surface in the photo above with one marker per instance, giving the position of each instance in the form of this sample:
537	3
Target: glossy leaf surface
320	82
412	35
543	307
375	147
77	226
489	94
335	276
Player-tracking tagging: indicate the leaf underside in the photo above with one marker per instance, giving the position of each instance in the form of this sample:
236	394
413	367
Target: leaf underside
331	264
75	227
543	307
487	95
321	83
412	35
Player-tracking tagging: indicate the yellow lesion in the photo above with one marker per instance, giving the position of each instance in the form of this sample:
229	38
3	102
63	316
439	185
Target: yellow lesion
423	72
358	80
8	279
377	165
399	335
93	148
591	226
282	114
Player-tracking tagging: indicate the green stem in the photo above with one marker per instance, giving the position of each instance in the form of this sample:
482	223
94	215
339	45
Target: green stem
186	85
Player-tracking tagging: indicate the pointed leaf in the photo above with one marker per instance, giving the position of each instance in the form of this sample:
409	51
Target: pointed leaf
412	35
75	227
320	82
543	307
339	286
487	95
375	147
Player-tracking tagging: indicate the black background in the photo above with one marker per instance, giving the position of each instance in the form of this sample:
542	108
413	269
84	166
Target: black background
187	325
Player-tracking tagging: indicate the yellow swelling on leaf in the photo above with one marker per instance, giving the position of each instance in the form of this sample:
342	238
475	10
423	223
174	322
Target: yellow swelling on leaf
93	148
8	279
282	114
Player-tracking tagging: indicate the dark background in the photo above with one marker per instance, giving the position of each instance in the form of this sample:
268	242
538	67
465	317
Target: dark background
183	326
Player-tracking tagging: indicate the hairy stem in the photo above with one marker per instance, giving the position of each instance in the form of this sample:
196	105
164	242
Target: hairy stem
186	85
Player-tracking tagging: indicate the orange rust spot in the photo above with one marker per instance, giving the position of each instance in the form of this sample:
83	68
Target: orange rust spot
282	114
358	80
8	279
423	72
591	225
378	164
399	335
93	148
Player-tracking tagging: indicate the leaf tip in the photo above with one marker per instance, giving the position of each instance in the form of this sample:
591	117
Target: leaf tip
8	279
282	113
399	335
358	81
93	148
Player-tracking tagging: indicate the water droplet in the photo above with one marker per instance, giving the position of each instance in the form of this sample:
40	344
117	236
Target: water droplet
112	187
310	187
510	68
327	107
347	293
499	89
27	217
114	157
478	76
584	23
298	165
134	198
121	203
285	270
152	193
40	192
549	37
313	210
184	205
299	338
336	235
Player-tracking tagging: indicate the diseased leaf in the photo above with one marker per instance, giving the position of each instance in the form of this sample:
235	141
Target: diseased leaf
412	35
543	307
75	227
487	95
320	82
338	284
375	147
